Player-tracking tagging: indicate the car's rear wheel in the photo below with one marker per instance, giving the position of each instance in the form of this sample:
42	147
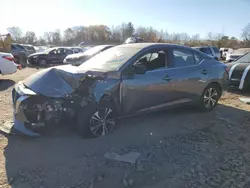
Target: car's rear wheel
96	121
210	97
42	62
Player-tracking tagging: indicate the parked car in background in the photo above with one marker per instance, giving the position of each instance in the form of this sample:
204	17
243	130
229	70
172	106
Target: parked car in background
20	53
77	49
7	64
212	51
236	54
225	51
239	72
50	56
40	48
122	80
29	48
77	59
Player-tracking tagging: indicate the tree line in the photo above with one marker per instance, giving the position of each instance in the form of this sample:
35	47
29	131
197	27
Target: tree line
102	34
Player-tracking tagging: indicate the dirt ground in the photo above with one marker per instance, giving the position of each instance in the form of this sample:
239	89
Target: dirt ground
178	148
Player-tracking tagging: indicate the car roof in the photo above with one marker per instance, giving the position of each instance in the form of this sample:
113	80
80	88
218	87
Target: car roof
145	45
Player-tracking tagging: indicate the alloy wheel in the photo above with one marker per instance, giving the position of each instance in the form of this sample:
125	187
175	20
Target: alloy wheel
102	122
210	98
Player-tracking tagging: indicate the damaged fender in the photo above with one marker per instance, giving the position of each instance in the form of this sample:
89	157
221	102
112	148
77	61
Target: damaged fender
58	91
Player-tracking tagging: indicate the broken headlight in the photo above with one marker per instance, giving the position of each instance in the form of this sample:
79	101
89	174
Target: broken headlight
23	90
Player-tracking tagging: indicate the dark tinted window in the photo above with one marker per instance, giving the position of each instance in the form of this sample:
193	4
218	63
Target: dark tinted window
216	50
61	51
183	58
206	50
69	51
13	46
20	46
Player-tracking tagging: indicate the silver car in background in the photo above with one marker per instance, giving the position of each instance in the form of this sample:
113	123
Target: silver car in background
123	80
211	51
79	58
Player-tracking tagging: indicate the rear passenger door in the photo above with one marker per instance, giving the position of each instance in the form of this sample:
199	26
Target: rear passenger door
188	78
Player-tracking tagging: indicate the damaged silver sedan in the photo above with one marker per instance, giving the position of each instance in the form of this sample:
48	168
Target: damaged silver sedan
123	80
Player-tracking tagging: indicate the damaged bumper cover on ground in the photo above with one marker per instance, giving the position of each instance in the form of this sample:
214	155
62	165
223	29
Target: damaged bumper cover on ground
48	97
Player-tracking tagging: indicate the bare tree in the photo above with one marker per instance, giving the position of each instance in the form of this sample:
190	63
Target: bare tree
15	32
48	37
130	29
41	41
246	34
30	37
56	37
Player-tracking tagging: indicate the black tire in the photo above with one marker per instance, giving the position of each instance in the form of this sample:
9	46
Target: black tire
89	127
42	62
210	97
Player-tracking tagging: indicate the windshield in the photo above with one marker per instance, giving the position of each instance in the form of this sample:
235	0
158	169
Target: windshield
94	50
244	59
111	59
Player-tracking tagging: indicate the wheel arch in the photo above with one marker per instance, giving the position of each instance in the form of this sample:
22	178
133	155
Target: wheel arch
108	99
216	83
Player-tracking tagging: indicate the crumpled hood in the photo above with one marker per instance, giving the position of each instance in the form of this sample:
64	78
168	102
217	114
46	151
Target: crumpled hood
59	81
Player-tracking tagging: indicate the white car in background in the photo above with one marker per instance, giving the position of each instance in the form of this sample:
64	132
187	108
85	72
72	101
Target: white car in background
236	54
225	52
7	64
211	51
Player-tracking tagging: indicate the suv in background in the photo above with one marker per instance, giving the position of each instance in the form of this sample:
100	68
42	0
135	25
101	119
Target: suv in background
30	49
211	51
20	53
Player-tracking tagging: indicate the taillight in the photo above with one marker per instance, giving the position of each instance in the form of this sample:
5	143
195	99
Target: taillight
7	57
227	69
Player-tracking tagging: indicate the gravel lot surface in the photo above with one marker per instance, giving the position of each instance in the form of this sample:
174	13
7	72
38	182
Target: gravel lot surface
177	148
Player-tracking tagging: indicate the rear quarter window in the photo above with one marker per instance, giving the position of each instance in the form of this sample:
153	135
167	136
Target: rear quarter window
206	50
183	58
216	50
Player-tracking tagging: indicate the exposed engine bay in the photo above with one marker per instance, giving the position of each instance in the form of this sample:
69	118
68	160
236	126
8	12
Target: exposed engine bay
37	111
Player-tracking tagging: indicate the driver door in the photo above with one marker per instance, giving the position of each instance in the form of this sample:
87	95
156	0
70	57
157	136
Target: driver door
150	90
57	56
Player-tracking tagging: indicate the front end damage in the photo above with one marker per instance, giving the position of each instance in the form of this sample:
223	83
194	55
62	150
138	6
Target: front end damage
50	104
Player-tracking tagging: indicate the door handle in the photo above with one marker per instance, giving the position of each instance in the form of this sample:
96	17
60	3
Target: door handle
167	78
204	71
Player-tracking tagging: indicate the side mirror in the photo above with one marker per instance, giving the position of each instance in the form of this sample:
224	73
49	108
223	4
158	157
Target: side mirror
139	69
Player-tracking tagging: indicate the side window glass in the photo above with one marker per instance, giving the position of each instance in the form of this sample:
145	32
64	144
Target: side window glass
206	50
69	52
61	51
183	58
152	61
53	52
197	58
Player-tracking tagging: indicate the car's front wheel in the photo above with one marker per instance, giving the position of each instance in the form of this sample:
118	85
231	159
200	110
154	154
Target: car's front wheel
210	97
96	122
